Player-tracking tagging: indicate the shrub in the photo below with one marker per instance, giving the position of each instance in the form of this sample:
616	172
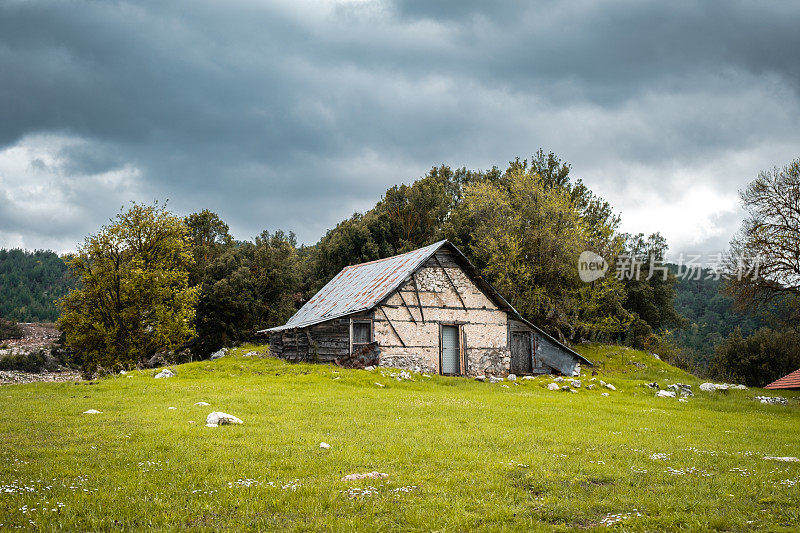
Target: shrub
34	361
757	359
9	330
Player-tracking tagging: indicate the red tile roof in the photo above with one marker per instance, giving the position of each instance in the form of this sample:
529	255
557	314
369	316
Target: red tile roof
789	381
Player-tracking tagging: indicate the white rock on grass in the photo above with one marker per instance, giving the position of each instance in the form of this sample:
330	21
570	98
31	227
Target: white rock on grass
324	445
665	394
553	386
558	379
495	379
368	475
220	419
609	386
166	373
202	404
774	400
480	378
576	383
172	408
93	412
219	354
783	459
369	368
528	377
604	394
512	377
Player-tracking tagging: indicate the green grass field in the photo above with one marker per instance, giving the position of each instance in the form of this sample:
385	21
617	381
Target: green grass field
460	455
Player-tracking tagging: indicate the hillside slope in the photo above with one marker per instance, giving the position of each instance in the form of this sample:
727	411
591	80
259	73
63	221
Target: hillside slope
459	454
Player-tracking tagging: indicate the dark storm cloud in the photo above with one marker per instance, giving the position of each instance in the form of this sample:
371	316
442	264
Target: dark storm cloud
294	115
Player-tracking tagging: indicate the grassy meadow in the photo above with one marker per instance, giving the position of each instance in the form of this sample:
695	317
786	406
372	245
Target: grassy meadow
460	455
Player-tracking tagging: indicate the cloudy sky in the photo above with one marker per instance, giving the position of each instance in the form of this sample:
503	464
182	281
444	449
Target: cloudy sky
295	114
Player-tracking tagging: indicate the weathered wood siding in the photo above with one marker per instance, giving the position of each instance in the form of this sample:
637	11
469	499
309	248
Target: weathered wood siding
408	334
319	343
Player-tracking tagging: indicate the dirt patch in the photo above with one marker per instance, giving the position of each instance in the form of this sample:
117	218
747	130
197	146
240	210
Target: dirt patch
34	336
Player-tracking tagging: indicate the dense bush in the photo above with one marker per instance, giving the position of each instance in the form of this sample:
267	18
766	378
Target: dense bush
758	359
9	330
35	361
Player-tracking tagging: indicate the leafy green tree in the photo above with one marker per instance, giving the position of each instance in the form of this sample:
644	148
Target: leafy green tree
134	297
757	359
30	284
9	330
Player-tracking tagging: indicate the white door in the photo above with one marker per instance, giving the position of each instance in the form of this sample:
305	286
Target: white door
450	351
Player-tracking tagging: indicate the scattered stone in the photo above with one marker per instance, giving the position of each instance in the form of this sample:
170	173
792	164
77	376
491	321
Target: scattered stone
166	373
202	404
122	372
512	377
576	383
656	356
495	379
368	475
573	390
566	388
682	400
93	412
172	408
604	394
324	445
602	383
552	386
772	400
251	354
784	459
558	379
220	419
590	386
404	375
480	378
381	385
504	385
609	386
665	394
369	368
653	385
528	377
711	387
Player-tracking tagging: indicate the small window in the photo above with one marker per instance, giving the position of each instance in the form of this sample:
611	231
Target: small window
362	335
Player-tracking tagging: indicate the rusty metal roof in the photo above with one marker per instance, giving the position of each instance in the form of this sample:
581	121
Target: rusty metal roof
789	381
359	287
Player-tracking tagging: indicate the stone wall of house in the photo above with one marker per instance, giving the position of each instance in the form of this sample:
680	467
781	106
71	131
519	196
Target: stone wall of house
408	333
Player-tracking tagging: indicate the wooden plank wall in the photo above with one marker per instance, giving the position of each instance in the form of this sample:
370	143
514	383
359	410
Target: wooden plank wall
319	343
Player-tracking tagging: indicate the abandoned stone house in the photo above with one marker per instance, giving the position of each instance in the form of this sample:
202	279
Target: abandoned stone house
427	310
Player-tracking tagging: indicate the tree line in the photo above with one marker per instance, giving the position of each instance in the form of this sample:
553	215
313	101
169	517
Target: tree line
152	282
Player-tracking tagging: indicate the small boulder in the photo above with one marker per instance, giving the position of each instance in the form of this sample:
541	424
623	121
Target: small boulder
219	354
604	394
172	408
93	412
202	404
324	445
665	394
708	387
609	386
368	475
558	379
552	386
495	379
771	400
369	368
783	459
251	354
653	385
166	373
512	377
566	388
576	383
590	386
219	419
480	378
528	377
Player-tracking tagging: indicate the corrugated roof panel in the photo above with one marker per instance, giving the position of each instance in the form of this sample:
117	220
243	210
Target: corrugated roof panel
359	287
789	381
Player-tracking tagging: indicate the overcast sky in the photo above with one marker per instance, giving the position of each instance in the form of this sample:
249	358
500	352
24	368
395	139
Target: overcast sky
293	114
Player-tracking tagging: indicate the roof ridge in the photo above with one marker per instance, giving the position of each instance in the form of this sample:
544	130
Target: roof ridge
394	256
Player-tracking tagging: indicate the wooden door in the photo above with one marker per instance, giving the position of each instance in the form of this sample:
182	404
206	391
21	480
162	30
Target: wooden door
451	351
521	360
